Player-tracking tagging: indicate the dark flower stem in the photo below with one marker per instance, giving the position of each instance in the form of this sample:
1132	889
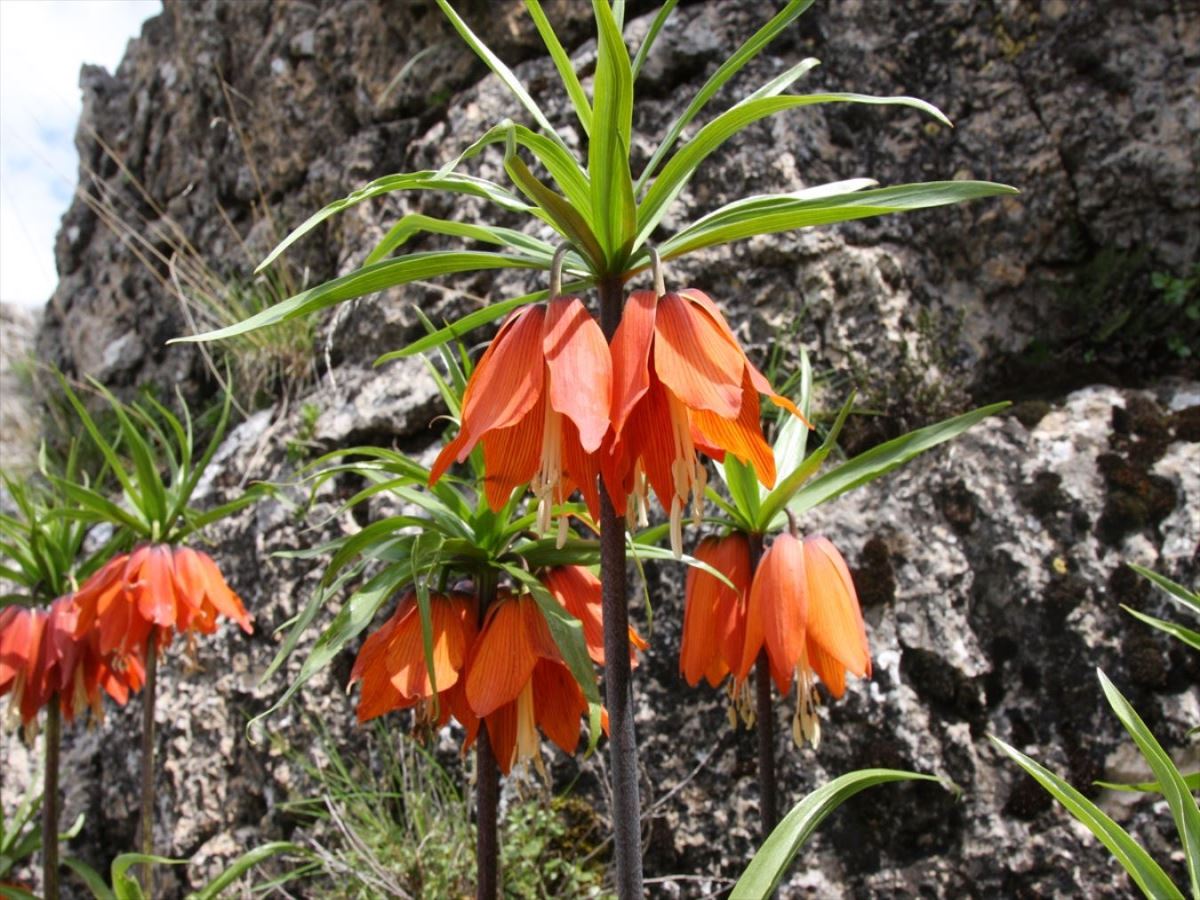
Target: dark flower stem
764	721
487	785
148	694
50	801
626	811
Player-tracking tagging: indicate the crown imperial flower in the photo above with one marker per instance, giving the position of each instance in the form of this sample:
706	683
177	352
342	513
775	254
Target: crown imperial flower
681	384
538	401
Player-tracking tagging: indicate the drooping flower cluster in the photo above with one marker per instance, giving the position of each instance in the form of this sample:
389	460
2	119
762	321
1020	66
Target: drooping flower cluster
800	607
94	641
556	407
42	661
175	590
508	672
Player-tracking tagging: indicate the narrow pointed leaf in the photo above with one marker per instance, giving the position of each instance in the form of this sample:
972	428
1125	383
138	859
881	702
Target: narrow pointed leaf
416	223
787	487
1187	635
503	72
244	864
368	280
772	860
882	459
679	170
1190	600
1149	787
660	19
562	62
1179	798
613	206
460	327
441	180
750	49
1146	873
566	219
771	215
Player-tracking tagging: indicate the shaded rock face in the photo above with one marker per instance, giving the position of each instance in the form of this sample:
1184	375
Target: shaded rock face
991	572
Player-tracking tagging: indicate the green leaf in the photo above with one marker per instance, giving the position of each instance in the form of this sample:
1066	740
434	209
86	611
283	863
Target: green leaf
660	19
562	62
613	205
730	67
416	223
1187	635
743	486
792	440
440	180
679	170
566	219
123	884
559	162
772	860
350	621
786	489
803	209
1188	599
1145	872
368	280
1174	789
503	72
1149	787
883	459
461	326
91	878
242	865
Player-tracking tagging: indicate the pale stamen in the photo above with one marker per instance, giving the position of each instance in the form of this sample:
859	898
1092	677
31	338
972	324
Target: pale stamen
687	473
806	724
547	483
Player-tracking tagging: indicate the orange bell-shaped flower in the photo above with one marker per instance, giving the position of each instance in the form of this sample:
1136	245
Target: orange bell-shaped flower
578	591
517	682
393	670
155	586
681	384
538	401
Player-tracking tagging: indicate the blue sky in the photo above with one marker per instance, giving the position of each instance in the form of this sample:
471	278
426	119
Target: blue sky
42	45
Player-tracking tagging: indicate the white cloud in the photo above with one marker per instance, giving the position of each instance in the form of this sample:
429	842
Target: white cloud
42	45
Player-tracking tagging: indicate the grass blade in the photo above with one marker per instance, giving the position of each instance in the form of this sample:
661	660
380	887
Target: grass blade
1188	599
1189	637
242	865
1145	872
416	223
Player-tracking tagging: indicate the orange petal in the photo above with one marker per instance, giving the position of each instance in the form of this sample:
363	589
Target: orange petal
558	703
502	660
502	733
578	590
580	367
508	380
155	590
780	593
540	639
649	438
741	436
455	451
512	456
582	468
406	658
631	355
835	622
694	360
832	672
701	652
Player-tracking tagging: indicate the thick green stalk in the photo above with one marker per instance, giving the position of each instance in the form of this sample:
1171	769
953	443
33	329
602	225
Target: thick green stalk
487	785
50	801
764	721
618	685
148	693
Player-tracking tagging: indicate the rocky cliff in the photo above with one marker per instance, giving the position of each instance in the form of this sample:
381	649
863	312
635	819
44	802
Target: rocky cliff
991	571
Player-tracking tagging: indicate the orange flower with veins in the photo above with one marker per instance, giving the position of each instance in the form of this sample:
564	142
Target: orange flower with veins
681	384
173	589
800	607
539	402
392	667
